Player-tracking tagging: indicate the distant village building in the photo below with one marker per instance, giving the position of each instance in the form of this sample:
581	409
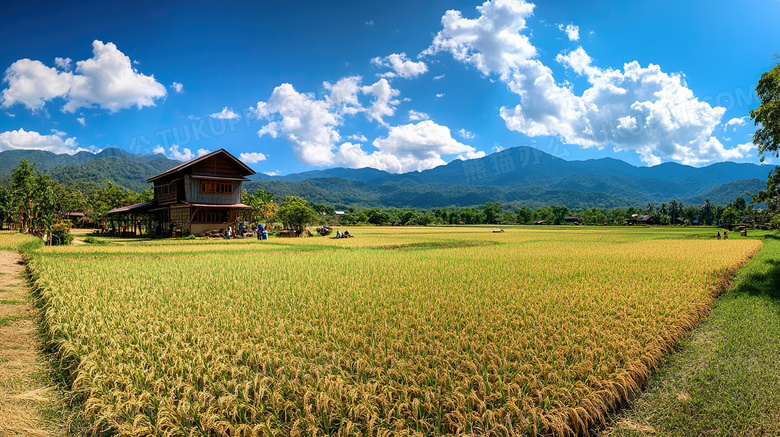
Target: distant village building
646	220
200	195
573	219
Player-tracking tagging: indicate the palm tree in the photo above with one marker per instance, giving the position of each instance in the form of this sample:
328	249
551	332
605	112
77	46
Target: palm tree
674	210
663	210
649	208
707	210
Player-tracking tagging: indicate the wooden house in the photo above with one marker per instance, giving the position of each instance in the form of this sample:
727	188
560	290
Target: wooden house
646	220
199	195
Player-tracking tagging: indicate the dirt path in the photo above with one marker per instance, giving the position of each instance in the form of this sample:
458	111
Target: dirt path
25	394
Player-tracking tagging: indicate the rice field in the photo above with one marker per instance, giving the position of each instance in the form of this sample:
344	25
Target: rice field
399	331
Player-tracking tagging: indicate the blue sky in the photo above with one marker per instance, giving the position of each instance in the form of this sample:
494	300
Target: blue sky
401	86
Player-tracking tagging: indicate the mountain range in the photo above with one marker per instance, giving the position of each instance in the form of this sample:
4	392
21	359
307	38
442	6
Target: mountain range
520	175
123	168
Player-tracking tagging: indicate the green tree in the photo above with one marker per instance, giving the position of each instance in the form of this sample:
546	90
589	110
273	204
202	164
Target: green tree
594	216
261	203
559	214
729	216
294	213
674	210
707	211
775	221
22	190
508	218
740	204
326	209
766	117
105	199
618	215
543	213
354	217
378	216
492	211
472	216
6	200
525	216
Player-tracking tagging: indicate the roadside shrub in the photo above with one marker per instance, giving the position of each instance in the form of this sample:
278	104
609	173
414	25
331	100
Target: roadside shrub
60	234
775	222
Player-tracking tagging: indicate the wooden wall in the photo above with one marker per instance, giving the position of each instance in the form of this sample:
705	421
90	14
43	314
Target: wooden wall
217	166
193	194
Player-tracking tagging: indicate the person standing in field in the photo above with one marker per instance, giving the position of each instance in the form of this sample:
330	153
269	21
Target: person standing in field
265	232
228	232
260	230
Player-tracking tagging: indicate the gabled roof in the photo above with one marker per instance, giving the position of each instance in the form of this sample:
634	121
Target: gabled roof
245	170
137	208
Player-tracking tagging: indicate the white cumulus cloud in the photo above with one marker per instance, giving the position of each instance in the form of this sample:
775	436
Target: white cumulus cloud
179	88
252	158
466	135
401	65
417	115
225	114
343	95
63	63
492	42
179	153
572	31
737	121
384	100
410	147
306	123
33	84
107	80
30	140
82	121
637	108
311	125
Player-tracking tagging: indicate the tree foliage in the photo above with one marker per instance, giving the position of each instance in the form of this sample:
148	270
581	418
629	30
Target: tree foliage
262	205
36	202
105	199
295	213
766	118
767	115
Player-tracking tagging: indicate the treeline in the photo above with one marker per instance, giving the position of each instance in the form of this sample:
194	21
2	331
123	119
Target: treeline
37	204
673	212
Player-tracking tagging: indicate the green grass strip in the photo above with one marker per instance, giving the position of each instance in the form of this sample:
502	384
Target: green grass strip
725	378
9	320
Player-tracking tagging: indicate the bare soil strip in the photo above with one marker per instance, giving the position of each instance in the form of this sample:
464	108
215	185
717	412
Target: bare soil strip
25	394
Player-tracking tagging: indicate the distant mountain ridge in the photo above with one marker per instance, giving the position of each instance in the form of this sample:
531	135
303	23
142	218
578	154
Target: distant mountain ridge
123	168
525	175
522	175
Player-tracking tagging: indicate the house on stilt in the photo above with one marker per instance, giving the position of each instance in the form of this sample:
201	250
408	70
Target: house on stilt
197	196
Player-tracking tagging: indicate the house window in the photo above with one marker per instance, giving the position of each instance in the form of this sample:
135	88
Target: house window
211	216
215	187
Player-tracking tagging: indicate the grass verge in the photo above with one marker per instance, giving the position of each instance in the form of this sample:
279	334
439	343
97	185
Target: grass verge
724	379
